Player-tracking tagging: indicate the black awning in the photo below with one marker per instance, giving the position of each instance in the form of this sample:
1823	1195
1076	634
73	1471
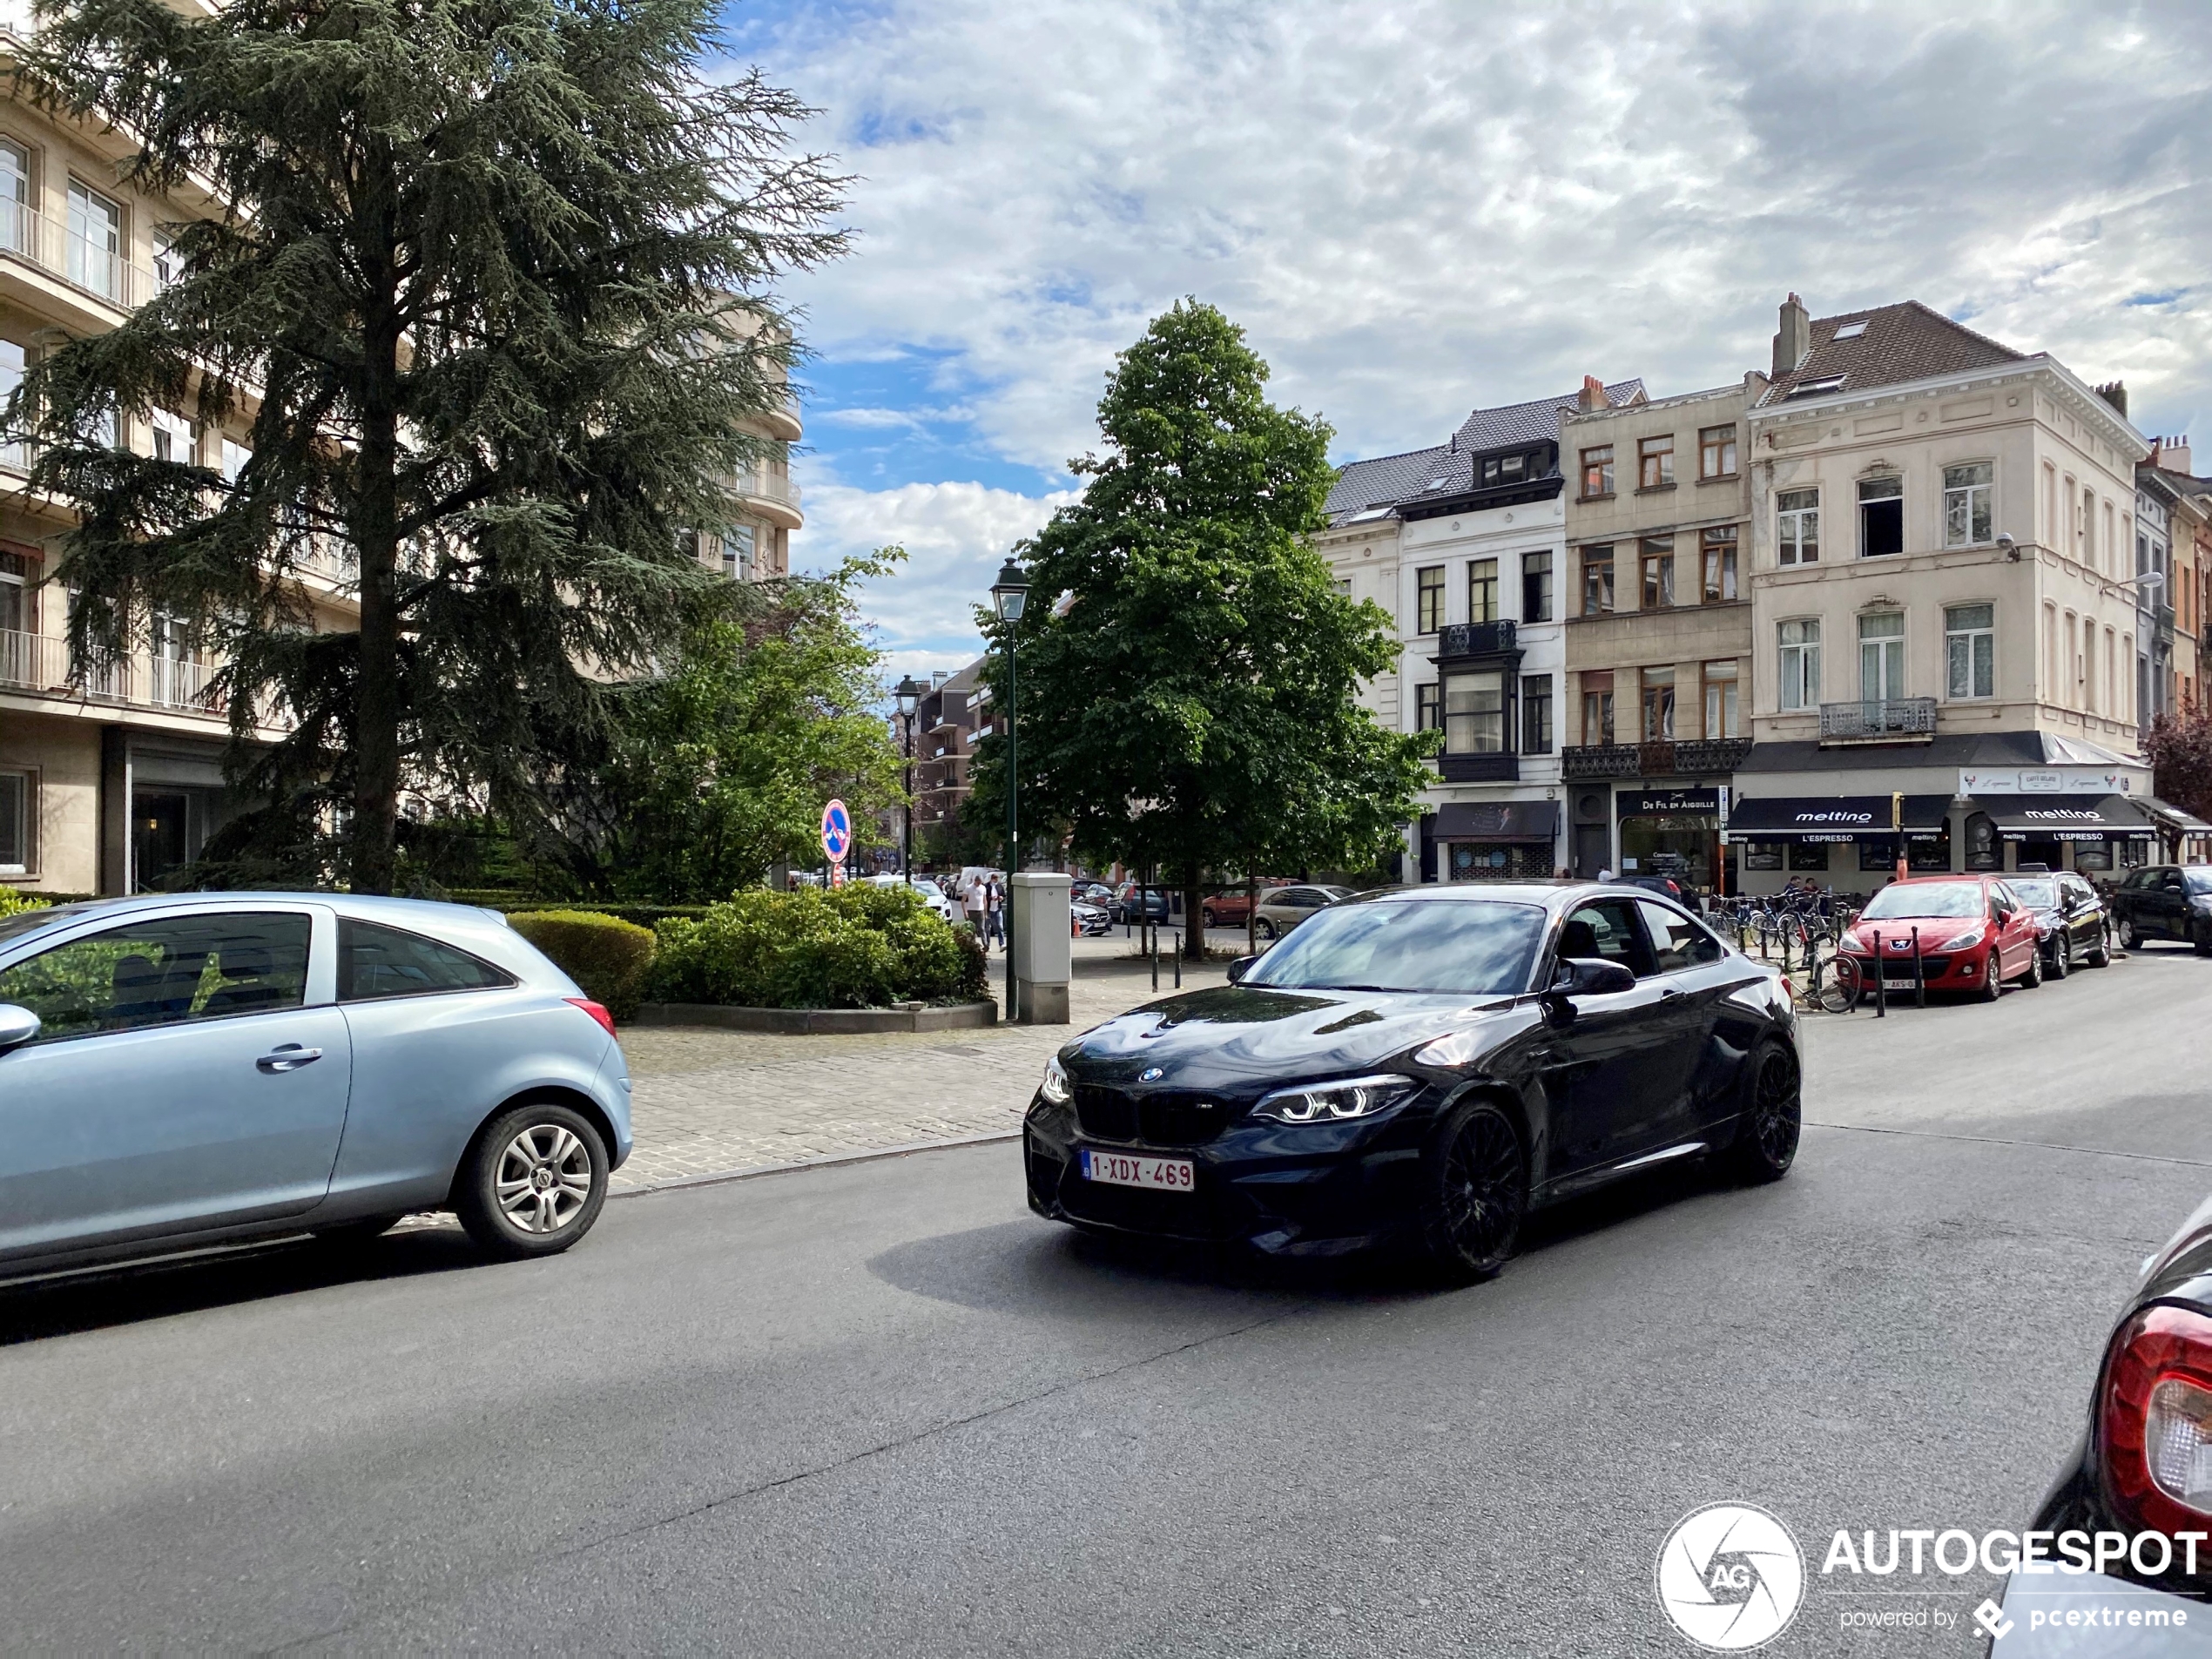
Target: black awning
1497	820
1832	818
2065	818
2180	822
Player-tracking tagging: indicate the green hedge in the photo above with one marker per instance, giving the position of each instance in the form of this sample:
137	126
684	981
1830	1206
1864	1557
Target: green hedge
846	947
607	957
11	901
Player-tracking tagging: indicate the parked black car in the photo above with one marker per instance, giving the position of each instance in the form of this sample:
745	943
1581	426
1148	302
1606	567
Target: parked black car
1422	1066
2142	1467
2070	920
2165	902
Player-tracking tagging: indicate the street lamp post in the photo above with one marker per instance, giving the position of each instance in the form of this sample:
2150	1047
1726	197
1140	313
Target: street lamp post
1008	595
909	695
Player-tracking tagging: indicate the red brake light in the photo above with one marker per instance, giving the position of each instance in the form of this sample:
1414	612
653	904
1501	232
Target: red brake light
2154	1421
594	1010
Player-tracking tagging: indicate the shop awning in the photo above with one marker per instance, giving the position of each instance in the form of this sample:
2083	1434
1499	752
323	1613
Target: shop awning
1832	818
2173	818
1497	820
2064	818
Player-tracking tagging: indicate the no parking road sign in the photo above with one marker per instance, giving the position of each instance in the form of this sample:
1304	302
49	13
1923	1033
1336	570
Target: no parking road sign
837	832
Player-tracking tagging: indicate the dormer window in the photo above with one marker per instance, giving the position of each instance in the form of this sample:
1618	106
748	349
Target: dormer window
1506	469
1850	330
1816	385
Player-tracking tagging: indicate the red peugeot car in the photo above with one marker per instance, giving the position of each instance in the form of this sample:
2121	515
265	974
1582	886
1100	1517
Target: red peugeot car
1975	935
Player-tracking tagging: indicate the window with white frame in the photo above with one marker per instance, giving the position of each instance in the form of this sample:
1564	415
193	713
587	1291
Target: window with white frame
1797	512
172	436
1966	514
1881	516
1723	714
1800	643
1970	650
14	453
93	256
167	266
15	823
15	198
235	455
1474	713
738	549
1881	656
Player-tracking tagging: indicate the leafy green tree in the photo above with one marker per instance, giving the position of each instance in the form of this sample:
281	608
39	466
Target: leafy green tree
722	764
2179	747
1187	666
489	291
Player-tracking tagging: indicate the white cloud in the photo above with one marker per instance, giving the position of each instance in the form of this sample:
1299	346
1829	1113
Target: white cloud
1420	206
957	535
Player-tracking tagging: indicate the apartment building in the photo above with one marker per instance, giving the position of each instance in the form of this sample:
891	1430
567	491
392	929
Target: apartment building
948	720
1950	661
1464	544
1658	628
755	545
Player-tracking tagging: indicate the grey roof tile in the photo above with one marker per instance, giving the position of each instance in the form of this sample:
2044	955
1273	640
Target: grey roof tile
1901	342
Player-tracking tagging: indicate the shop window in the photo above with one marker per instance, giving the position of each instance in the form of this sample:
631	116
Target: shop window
1597	581
1798	513
1655	463
1658	554
1716	452
1984	850
1658	704
1723	712
1808	858
1536	587
1718	546
1597	471
1881	517
1482	589
1881	656
1966	492
1877	852
2092	855
1969	651
16	797
1762	855
1428	599
1474	713
1929	854
1801	663
1498	861
1597	717
1536	714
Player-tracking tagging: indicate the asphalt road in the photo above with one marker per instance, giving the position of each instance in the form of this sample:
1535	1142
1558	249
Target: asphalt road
879	1409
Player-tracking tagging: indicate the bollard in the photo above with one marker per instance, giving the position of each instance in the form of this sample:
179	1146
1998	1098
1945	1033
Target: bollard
1156	959
1178	959
1920	974
1881	981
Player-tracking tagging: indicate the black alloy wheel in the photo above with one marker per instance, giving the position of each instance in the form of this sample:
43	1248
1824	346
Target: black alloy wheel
1476	1193
2099	955
1992	980
2061	954
1766	1134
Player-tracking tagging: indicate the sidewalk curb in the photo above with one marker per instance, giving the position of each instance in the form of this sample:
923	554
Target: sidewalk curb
827	1160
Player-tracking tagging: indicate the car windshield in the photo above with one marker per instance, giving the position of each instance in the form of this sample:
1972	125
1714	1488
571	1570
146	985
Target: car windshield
928	889
1476	947
1944	899
2036	896
2200	880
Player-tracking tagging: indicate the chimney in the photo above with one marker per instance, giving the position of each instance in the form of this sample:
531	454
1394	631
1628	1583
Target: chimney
1593	398
1793	342
2115	392
2173	453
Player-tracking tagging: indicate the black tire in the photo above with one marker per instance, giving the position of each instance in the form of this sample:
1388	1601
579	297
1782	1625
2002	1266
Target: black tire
2100	956
574	1169
1772	1117
2033	977
1840	992
1992	984
1475	1193
2131	937
1205	918
1265	928
2061	954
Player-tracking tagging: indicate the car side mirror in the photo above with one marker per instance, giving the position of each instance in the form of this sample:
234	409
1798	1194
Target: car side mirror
1241	967
18	1025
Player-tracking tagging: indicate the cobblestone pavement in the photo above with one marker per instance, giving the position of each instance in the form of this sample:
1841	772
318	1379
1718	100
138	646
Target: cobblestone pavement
709	1102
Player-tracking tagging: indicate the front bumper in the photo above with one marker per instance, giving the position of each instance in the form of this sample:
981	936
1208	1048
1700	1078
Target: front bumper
1289	1190
1940	970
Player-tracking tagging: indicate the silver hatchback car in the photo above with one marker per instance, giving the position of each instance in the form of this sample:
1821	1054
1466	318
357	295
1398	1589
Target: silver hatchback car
181	1070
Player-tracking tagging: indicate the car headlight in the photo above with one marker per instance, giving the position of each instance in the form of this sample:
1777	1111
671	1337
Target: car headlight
1055	1086
1335	1101
1964	941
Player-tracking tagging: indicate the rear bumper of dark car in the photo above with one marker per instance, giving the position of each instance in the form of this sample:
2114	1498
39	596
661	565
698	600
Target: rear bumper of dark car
1309	1190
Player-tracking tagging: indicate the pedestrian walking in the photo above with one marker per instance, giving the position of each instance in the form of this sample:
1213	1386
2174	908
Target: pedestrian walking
975	896
994	914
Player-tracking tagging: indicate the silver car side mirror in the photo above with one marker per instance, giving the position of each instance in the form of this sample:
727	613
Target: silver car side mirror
18	1025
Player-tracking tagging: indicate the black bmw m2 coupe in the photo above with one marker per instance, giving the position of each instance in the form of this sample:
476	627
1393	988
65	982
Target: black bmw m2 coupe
1422	1066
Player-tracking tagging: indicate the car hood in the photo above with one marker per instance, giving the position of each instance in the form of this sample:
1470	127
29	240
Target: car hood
1232	1035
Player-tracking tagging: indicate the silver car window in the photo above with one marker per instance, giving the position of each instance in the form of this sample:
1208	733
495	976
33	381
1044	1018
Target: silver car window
162	971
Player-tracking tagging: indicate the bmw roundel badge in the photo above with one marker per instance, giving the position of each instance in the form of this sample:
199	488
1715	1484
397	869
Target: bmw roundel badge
1151	1075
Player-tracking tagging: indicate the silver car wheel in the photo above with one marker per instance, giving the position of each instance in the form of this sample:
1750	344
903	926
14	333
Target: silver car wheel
544	1178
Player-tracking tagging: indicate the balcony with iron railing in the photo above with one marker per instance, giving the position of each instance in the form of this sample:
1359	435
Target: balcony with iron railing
1878	720
38	662
774	491
1667	757
1476	640
80	257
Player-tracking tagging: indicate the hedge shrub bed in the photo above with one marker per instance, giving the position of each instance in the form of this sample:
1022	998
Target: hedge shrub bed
857	947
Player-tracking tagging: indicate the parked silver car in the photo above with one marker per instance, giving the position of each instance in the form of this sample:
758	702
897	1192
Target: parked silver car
1282	908
181	1071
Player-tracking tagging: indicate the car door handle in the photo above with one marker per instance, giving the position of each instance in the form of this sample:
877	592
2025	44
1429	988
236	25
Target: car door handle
289	1056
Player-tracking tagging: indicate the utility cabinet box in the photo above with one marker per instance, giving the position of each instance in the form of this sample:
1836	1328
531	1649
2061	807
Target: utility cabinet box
1040	942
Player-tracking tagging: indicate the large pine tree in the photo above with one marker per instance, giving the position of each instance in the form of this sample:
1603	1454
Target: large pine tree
490	293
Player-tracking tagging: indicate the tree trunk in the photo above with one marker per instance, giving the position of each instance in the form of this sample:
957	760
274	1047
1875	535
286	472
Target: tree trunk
378	695
1194	916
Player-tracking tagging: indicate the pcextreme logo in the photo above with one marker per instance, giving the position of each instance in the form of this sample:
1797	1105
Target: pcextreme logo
1730	1577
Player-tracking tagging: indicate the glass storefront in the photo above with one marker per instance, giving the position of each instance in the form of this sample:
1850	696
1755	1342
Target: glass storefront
1498	861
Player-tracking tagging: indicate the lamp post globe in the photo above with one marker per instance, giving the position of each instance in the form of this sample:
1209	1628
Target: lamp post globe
1010	592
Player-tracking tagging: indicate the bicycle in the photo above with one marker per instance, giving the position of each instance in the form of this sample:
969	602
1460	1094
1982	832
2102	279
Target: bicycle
1846	983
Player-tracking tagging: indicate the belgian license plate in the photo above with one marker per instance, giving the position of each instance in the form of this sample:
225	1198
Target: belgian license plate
1158	1174
1898	984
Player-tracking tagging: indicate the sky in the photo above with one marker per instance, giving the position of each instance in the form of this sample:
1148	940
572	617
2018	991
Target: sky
1418	209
